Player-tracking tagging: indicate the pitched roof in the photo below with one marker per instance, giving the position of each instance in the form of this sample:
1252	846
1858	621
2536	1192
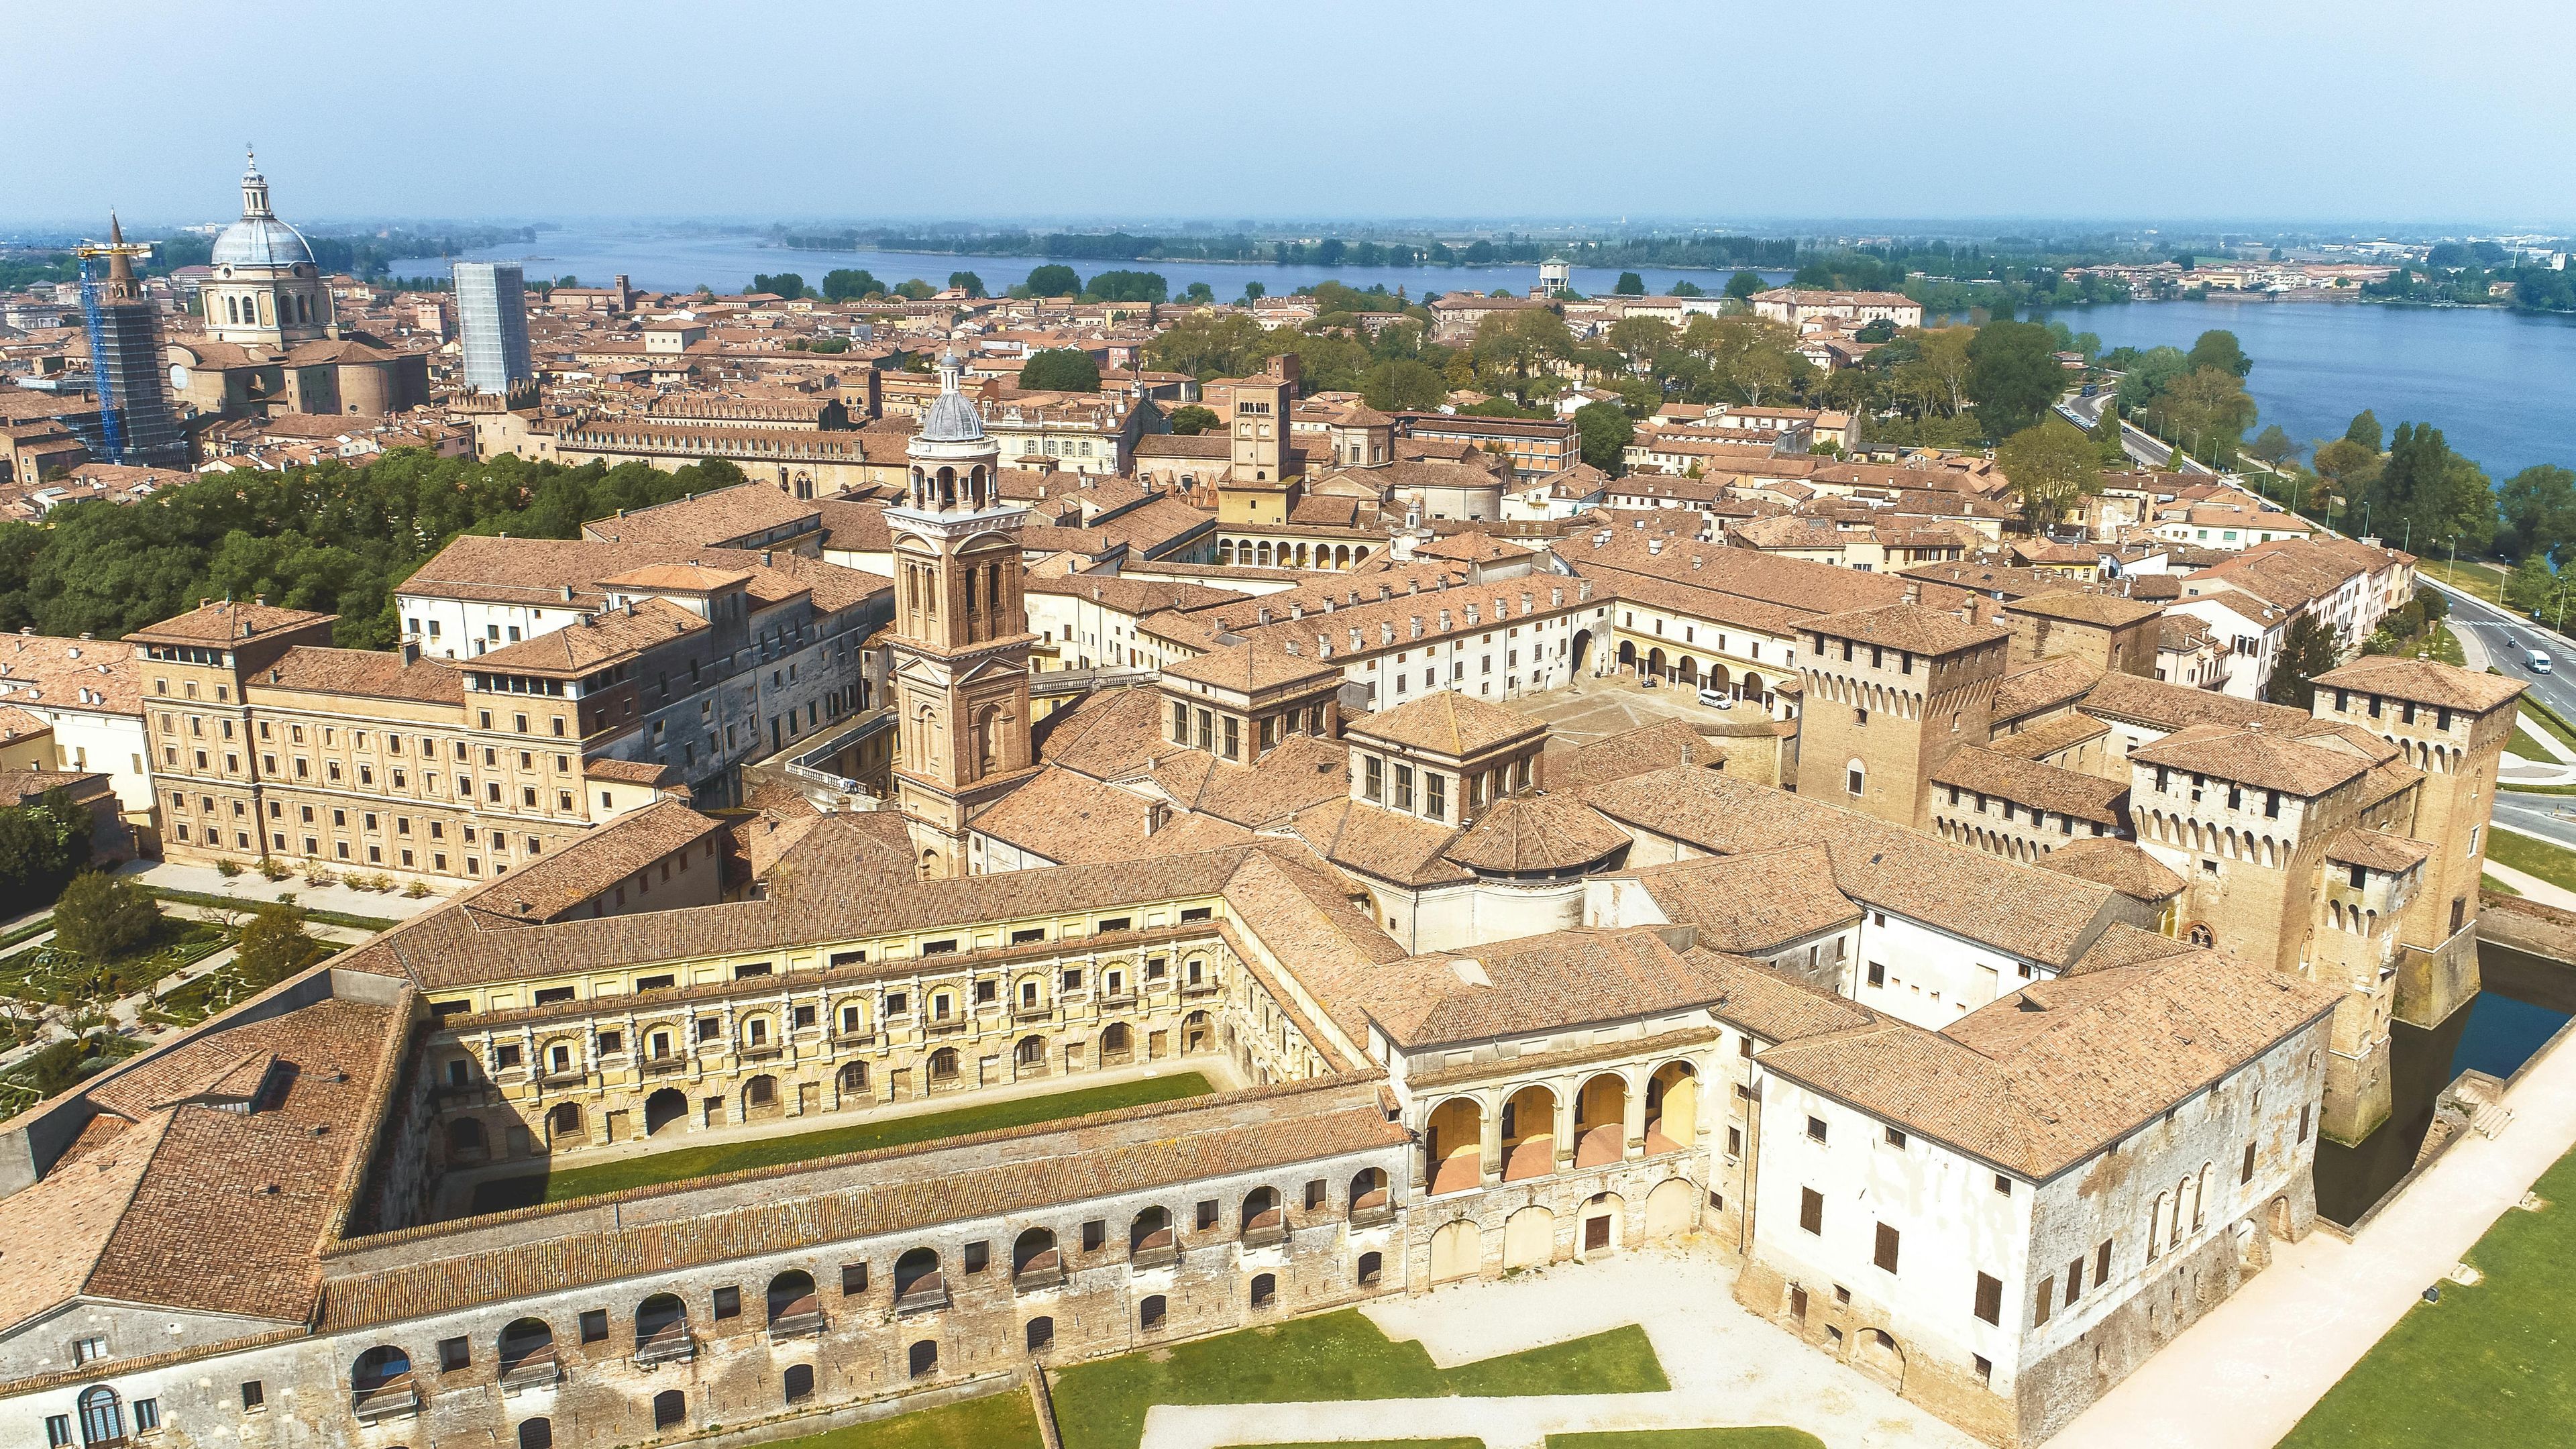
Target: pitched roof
2424	681
2066	792
2119	864
2254	756
1535	983
1908	626
1448	723
1755	903
1528	834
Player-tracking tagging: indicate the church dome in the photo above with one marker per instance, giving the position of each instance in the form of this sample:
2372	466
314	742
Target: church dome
952	419
259	239
260	242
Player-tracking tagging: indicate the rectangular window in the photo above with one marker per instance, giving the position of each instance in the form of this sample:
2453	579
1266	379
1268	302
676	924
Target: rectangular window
454	1355
1093	1234
2246	1173
2102	1262
147	1415
254	1397
2044	1303
2074	1281
1372	778
1815	1129
1885	1255
58	1431
1896	1137
728	1303
1435	789
1811	1210
1207	1214
1990	1298
979	1256
854	1279
594	1325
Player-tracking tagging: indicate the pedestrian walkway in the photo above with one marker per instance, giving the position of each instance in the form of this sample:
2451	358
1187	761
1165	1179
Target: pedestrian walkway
2243	1376
254	890
1727	1368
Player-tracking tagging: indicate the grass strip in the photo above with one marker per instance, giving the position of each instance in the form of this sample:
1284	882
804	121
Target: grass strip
1335	1357
27	932
2487	1365
1766	1437
693	1162
236	903
1002	1420
2553	863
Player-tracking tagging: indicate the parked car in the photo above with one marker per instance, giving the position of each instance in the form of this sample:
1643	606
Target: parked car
1716	698
1649	681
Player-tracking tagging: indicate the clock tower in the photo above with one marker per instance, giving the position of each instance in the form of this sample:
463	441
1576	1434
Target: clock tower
961	645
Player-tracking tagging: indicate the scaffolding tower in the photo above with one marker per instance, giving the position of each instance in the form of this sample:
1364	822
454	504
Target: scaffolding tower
135	419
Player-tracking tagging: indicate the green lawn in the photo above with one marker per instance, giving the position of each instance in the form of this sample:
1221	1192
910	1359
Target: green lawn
1690	1440
1334	1356
1762	1438
2553	863
2486	581
2544	723
2488	1366
1001	1420
688	1162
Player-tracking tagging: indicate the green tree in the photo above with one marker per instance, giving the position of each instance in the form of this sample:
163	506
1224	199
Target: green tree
784	284
1055	279
2539	508
2207	411
971	284
1403	385
1127	286
2148	375
274	947
101	916
41	846
1200	294
1061	369
1641	337
2365	432
2049	466
2218	348
1743	285
1629	285
2013	376
2308	649
1685	287
2106	435
1511	352
1189	420
846	284
2427	496
2532	585
1606	432
1254	292
1217	344
2273	446
915	290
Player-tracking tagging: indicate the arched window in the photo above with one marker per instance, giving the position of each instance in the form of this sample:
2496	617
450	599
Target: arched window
1149	1314
669	1407
793	1304
917	1276
1368	1191
661	1324
1116	1044
1041	1334
527	1351
1265	1290
924	1358
563	1121
1855	775
798	1382
102	1417
854	1079
1372	1268
536	1434
1030	1052
943	1065
465	1140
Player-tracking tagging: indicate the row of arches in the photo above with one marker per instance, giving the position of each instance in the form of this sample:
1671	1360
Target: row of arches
1529	1236
935	489
1263	553
2165	1216
1992	842
2353	918
762	1097
1864	694
2183	832
1689	672
1531	1140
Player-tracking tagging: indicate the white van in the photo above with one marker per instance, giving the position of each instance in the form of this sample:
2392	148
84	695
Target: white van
1716	698
2538	661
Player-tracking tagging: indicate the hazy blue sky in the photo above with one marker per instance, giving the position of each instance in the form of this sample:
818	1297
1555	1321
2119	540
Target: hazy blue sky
2256	109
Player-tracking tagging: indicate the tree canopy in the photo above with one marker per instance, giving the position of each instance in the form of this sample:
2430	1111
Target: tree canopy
329	537
2539	508
2427	496
1061	369
1629	285
2220	349
2308	648
1403	385
1055	279
1605	431
2050	465
2013	376
967	282
1743	285
102	916
1127	286
41	846
784	284
1189	420
845	284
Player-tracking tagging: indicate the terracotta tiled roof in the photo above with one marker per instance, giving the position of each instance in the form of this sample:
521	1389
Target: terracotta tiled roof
595	640
1448	723
2173	706
375	673
1536	983
2028	782
2377	850
224	622
1529	834
1909	627
2424	681
2119	864
1755	903
2257	757
545	888
43	671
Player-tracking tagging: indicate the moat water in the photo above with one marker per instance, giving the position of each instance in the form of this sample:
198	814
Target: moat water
2524	1001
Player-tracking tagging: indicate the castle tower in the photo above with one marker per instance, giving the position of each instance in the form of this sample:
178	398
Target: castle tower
961	649
2451	724
125	358
1890	692
1258	488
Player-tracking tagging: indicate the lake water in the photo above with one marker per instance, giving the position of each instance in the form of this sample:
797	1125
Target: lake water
2501	385
664	261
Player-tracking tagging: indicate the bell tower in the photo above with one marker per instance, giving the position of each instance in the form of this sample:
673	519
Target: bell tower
961	645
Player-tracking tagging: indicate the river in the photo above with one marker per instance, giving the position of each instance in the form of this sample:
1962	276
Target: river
2501	385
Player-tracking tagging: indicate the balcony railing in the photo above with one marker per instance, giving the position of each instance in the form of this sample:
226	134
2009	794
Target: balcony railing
1120	998
761	1053
1159	1255
1031	1013
805	1324
853	1038
666	1064
1200	988
572	1077
1264	1235
675	1346
1373	1215
536	1371
929	1294
944	1026
391	1399
1037	1277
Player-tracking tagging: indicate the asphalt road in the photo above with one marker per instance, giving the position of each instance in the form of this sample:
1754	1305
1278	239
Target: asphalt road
2509	640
